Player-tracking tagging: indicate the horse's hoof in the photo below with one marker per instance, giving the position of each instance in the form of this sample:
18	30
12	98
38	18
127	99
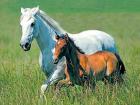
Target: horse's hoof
43	89
43	99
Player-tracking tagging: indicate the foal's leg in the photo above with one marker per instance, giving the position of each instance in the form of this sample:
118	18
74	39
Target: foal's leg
110	71
65	81
116	77
91	79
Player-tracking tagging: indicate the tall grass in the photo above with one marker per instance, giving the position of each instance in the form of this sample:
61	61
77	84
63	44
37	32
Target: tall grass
20	74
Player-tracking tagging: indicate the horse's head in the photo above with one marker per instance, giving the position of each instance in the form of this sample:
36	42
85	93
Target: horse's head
29	27
60	47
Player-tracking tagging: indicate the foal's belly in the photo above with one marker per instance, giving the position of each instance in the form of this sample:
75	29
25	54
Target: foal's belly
97	64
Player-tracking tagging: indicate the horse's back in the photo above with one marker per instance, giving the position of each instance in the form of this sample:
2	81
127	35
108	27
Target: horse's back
91	41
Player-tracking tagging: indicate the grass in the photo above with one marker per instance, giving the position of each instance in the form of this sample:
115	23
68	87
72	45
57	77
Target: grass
20	75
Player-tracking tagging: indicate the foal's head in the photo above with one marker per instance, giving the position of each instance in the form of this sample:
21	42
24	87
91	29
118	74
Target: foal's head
60	47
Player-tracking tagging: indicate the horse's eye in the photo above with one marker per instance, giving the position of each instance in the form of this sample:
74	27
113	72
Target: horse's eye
32	24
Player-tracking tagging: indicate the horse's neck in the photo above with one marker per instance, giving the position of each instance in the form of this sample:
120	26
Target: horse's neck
46	44
45	38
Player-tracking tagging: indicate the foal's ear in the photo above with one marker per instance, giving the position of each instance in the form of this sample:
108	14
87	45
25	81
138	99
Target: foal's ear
66	37
57	37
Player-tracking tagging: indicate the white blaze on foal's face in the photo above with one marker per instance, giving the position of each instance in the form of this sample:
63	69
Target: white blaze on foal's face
59	50
29	27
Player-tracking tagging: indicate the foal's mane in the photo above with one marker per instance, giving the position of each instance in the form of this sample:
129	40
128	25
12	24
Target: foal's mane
73	46
74	60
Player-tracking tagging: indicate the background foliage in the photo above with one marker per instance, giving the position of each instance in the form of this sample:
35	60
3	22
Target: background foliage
20	75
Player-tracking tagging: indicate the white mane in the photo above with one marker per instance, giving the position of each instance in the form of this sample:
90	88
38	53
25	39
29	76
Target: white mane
51	22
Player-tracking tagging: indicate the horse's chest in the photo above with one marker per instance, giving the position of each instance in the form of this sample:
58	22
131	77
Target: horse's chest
46	63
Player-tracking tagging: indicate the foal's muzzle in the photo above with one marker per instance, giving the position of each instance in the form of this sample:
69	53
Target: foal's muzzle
55	61
26	46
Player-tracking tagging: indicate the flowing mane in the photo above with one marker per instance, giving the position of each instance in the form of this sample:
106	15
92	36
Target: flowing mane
73	46
73	62
51	22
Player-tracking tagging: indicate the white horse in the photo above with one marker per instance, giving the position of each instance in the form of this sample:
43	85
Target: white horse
38	25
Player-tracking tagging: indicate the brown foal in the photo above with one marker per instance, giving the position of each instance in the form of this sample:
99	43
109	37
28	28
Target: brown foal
101	65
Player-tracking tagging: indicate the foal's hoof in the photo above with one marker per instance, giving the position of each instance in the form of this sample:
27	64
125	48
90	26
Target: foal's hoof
58	86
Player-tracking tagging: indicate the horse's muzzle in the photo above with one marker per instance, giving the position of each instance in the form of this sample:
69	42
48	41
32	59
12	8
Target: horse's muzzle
26	46
55	61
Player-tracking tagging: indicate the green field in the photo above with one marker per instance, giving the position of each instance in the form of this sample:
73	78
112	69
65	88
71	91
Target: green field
20	75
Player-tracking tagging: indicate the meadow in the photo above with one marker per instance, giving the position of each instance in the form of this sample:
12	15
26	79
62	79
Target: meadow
21	76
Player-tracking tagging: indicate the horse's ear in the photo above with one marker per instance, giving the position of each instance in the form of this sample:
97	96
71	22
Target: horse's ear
66	37
57	37
35	10
22	10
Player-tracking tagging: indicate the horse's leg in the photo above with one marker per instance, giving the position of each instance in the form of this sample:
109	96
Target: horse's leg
57	75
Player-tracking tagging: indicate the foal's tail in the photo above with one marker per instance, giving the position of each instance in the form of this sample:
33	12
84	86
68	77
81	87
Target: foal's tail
121	64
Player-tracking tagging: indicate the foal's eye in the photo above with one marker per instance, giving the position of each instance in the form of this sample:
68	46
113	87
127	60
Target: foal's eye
32	24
